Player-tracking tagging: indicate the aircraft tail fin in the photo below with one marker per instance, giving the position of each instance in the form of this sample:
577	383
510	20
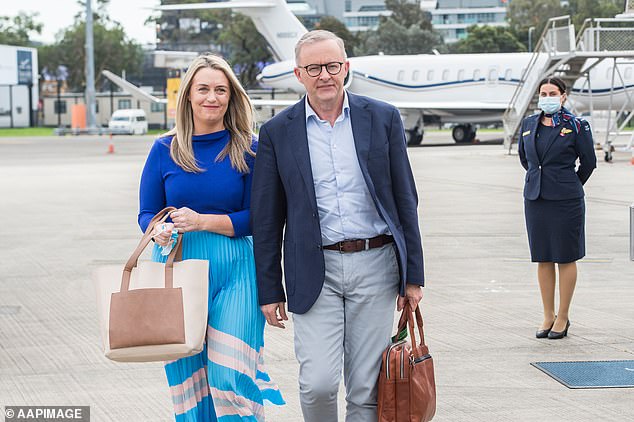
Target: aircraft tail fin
272	18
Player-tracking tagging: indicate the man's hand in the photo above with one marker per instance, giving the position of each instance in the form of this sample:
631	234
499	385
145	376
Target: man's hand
270	312
413	295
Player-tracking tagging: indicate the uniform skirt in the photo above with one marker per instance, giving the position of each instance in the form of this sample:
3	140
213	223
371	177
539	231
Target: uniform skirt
227	381
555	229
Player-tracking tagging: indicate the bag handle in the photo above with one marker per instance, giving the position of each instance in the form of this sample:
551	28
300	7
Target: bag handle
169	264
175	254
410	322
160	217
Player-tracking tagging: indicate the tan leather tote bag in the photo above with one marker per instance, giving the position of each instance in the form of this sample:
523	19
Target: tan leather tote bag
407	389
153	311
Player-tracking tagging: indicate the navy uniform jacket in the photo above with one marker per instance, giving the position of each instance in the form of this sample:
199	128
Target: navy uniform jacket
283	200
553	176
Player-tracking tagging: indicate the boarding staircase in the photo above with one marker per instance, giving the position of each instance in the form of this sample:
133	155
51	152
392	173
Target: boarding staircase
571	58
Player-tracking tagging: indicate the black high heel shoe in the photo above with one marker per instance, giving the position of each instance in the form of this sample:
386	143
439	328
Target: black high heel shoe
554	335
544	333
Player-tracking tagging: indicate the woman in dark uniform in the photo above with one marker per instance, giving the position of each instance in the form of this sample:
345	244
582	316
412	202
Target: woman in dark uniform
550	144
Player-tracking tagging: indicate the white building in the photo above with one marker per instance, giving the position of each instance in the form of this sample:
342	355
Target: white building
452	17
18	86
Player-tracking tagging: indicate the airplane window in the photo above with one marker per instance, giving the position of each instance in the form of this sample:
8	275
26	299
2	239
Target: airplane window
493	75
401	75
628	73
415	75
461	74
430	75
476	75
508	75
445	74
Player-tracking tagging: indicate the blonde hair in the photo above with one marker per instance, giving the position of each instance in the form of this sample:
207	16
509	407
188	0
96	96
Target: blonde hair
238	119
316	36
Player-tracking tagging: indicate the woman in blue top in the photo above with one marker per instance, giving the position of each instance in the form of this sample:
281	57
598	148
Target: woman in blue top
550	144
203	167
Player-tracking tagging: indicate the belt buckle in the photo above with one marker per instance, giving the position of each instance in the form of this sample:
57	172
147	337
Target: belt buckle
367	245
340	244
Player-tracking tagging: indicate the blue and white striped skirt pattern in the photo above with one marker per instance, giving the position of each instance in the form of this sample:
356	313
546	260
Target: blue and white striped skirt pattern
227	381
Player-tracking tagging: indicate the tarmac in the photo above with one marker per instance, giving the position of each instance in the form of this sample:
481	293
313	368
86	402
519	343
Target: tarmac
68	207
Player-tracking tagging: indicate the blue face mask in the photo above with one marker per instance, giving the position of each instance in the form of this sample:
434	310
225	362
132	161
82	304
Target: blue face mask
549	105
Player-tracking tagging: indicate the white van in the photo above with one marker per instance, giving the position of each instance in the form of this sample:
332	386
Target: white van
131	121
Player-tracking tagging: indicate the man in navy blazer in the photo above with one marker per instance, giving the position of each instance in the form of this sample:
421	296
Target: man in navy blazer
333	189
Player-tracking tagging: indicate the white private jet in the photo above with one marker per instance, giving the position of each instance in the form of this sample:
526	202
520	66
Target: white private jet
461	89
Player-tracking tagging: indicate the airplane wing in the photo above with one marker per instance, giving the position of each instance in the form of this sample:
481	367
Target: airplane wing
449	105
132	89
412	105
215	5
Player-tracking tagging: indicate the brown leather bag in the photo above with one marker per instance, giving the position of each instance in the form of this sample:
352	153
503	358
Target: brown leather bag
407	390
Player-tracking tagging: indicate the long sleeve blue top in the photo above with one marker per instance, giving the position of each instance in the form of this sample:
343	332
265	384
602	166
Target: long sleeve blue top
218	189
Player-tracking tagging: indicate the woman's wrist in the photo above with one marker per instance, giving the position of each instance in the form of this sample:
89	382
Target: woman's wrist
215	223
202	222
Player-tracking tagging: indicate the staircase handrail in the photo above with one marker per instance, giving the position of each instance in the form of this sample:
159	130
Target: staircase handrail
536	52
540	48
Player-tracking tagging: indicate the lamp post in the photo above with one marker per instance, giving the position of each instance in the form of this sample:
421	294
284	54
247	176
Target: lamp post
90	70
530	38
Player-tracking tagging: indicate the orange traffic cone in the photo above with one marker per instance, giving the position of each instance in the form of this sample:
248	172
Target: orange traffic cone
111	146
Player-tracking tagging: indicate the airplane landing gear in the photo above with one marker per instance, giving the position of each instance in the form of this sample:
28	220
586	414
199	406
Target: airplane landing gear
463	133
414	136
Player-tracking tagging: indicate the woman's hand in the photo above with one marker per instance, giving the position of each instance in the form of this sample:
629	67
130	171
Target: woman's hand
162	233
186	220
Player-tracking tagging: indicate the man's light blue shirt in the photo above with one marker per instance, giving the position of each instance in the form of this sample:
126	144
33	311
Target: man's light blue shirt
346	209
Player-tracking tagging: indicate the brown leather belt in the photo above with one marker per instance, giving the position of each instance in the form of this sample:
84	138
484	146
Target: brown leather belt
357	245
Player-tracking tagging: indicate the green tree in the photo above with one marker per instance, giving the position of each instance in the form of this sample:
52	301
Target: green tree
99	9
18	31
334	25
394	38
407	31
523	14
248	50
487	39
408	13
580	10
113	51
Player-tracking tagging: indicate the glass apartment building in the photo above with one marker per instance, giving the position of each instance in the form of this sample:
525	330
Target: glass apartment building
452	17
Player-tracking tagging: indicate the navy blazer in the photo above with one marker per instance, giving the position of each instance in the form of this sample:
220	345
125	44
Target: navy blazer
553	175
284	208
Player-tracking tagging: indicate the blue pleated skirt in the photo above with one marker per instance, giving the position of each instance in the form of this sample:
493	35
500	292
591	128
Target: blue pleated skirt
227	381
556	229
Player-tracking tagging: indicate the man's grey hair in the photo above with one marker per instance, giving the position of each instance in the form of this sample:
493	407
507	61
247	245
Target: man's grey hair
316	36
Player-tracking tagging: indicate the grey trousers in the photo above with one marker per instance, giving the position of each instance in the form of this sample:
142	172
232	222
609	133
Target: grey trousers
349	325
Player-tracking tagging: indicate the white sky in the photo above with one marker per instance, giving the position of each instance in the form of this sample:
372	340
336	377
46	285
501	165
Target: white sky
58	14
